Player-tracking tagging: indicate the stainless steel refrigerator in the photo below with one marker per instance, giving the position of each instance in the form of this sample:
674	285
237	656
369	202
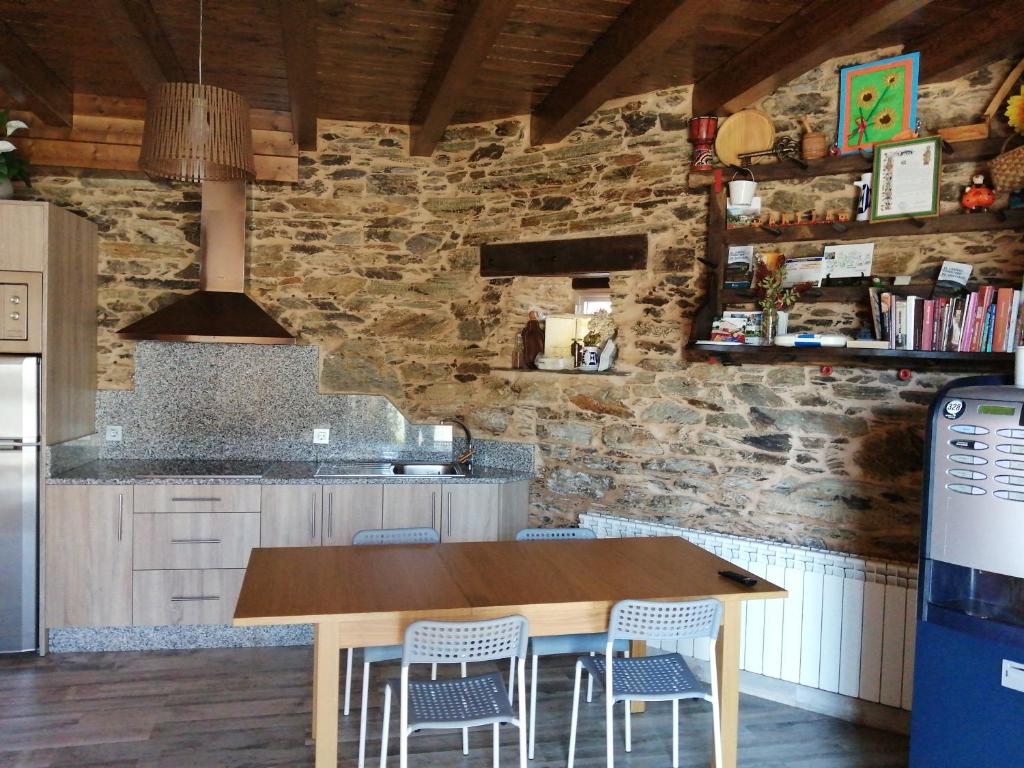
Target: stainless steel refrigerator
19	503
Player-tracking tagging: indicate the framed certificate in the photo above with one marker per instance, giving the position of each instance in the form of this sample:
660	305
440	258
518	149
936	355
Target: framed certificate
906	179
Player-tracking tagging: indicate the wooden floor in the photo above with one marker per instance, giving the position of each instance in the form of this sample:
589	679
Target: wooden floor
250	707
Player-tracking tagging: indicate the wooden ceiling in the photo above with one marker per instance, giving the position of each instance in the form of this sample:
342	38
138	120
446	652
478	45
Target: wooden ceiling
431	63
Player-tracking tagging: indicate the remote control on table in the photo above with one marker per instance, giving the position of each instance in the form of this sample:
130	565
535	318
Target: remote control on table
742	578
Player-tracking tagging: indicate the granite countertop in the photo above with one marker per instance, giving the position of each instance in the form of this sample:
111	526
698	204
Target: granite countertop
193	472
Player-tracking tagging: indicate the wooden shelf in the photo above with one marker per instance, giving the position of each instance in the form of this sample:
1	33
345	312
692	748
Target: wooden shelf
836	293
865	230
731	354
963	152
534	371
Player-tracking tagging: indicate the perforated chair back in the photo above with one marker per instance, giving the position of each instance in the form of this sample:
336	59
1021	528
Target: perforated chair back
397	536
654	620
452	642
538	534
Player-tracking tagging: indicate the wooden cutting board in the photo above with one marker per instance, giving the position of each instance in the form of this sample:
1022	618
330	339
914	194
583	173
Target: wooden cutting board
749	130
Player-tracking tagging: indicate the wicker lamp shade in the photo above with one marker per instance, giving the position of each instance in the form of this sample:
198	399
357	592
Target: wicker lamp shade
197	132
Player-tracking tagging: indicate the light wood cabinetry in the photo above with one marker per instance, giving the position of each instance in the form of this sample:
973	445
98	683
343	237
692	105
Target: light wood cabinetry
351	508
88	563
291	516
412	505
471	513
47	243
175	554
156	499
195	540
186	597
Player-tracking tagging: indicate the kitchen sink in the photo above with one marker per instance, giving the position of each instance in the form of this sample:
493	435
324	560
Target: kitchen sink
423	468
386	469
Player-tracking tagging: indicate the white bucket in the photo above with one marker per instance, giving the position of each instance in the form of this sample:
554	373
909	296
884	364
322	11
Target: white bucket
742	191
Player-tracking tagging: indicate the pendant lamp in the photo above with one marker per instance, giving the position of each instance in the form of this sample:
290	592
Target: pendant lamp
197	132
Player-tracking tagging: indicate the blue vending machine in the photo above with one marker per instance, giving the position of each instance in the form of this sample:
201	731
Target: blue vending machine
968	708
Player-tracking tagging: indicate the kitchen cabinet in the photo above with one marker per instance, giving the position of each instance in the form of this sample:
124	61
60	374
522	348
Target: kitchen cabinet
208	596
195	540
470	513
291	515
88	563
412	505
351	508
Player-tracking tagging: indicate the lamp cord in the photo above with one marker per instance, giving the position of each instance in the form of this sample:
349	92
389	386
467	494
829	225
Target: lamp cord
200	42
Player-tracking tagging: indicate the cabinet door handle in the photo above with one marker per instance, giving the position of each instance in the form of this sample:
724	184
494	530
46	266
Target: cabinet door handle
450	510
120	516
195	541
330	515
312	516
195	498
194	598
433	509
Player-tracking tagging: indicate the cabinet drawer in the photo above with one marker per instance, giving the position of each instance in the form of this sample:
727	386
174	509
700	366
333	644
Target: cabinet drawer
185	597
195	540
151	499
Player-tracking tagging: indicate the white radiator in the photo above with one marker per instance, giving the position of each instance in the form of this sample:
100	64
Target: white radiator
847	626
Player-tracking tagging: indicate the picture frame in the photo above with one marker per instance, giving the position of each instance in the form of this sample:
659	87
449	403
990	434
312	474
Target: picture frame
906	179
877	102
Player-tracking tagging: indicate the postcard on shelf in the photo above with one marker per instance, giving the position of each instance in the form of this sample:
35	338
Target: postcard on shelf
739	266
847	261
803	270
906	177
867	344
953	278
743	215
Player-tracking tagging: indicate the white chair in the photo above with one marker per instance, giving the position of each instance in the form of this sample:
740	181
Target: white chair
462	702
381	652
556	645
653	678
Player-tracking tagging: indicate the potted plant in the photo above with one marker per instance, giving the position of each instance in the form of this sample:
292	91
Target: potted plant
774	298
13	167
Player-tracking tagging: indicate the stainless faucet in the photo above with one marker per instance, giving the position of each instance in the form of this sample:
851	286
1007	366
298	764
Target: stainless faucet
465	459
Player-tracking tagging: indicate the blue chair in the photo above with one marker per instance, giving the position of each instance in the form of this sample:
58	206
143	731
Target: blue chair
463	702
555	645
653	678
382	652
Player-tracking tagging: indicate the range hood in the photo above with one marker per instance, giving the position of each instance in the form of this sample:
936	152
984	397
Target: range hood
220	311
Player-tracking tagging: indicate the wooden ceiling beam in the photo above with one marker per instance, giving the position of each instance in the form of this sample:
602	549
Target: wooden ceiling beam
134	28
642	33
469	38
30	82
299	27
821	30
987	33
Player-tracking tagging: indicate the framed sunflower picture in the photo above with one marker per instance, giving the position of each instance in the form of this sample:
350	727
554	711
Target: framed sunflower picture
877	102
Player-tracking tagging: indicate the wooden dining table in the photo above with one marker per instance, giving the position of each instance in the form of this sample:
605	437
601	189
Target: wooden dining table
357	597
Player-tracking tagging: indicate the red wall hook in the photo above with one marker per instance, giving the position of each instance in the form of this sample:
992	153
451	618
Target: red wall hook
904	374
826	370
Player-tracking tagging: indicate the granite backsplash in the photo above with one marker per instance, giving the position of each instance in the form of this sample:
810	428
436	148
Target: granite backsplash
250	401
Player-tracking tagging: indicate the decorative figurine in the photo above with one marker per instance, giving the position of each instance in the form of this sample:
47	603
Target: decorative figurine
702	136
533	341
977	197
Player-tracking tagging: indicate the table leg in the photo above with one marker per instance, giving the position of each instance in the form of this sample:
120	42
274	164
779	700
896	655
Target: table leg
727	657
325	694
637	648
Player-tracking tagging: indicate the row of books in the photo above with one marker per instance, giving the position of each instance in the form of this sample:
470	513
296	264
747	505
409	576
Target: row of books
986	320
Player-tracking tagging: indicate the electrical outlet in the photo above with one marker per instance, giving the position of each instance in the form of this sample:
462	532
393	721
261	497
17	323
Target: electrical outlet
114	434
321	436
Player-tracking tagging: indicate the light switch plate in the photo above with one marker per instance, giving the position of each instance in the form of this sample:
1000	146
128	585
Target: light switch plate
321	436
113	434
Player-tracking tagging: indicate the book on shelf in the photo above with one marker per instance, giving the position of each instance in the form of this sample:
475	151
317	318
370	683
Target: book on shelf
989	319
867	344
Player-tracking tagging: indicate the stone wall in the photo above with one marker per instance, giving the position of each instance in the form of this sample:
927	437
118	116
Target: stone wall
373	256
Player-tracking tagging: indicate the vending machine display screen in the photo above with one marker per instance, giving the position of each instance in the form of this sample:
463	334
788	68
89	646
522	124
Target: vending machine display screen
997	410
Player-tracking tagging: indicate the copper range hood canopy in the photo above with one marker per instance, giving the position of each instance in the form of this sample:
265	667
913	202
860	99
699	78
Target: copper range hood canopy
219	311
